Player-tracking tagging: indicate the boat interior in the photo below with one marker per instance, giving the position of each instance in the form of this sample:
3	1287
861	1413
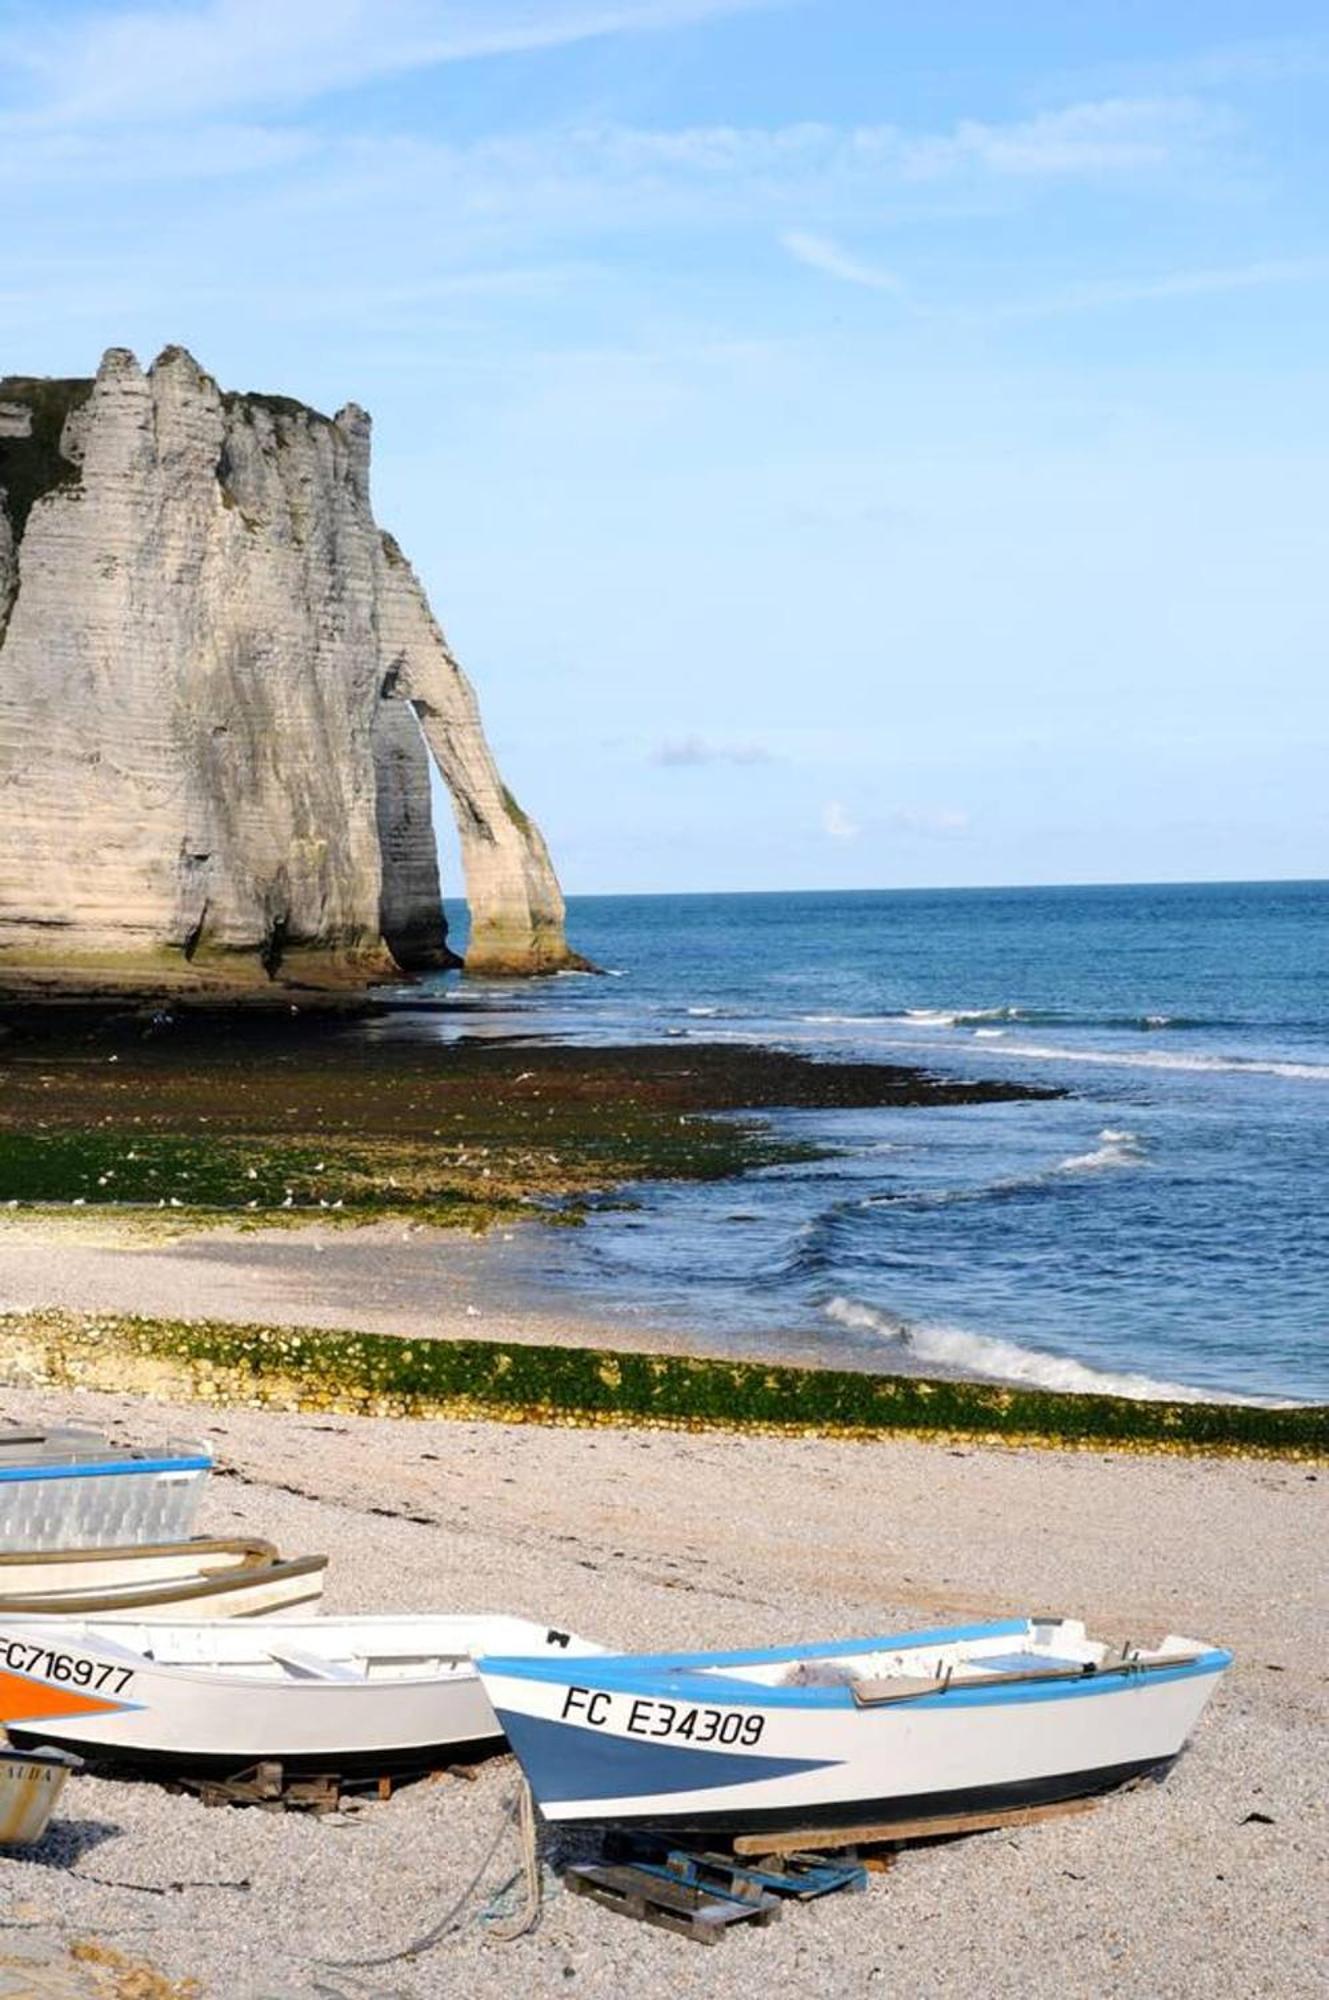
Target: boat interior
313	1650
1042	1649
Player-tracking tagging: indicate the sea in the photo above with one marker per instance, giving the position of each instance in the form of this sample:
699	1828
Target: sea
1161	1230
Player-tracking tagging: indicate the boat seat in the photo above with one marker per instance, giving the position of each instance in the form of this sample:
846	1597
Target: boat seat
1025	1663
311	1667
894	1687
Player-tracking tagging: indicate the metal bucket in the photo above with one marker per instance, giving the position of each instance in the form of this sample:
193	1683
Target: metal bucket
31	1782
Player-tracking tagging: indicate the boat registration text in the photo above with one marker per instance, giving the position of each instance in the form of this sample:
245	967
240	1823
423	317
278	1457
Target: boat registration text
21	1657
646	1716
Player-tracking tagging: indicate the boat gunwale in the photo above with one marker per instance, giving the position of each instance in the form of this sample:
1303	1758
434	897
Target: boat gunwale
105	1635
693	1677
255	1551
113	1467
185	1590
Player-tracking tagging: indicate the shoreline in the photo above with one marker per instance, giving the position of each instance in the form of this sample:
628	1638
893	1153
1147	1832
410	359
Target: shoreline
647	1541
413	1285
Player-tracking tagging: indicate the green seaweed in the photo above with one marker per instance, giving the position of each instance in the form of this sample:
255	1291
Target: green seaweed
517	1382
493	1173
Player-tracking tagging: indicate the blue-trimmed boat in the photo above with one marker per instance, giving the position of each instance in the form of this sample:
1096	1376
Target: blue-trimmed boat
1025	1711
75	1489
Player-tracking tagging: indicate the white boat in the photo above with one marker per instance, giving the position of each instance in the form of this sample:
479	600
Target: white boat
877	1731
65	1489
197	1579
31	1782
140	1565
316	1694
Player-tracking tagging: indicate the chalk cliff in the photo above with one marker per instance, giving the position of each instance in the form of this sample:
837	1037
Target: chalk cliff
218	679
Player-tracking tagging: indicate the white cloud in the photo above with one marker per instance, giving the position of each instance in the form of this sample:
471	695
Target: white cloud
685	751
821	254
1111	135
164	62
837	823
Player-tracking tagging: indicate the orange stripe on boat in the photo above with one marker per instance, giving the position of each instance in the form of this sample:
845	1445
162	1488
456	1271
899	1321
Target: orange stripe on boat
25	1700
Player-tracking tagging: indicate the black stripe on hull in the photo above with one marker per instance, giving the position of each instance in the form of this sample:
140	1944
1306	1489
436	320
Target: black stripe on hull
1053	1790
106	1760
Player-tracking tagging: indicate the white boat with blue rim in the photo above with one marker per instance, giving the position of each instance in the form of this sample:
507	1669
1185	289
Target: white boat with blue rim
69	1489
922	1725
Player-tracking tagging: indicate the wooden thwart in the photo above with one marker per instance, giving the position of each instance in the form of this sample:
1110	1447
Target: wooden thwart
821	1839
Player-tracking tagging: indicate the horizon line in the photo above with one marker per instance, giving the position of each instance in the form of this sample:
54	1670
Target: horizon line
970	888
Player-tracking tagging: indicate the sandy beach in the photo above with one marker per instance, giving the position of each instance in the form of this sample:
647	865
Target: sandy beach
644	1538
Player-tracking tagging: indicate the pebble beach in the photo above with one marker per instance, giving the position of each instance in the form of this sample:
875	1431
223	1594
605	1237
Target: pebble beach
1204	1885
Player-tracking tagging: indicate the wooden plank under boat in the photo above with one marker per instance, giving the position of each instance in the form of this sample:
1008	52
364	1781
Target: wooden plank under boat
315	1694
917	1727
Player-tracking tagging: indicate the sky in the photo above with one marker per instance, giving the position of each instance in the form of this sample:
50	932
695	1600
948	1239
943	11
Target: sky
850	444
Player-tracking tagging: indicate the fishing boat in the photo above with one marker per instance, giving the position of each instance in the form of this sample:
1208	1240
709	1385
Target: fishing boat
65	1489
242	1578
345	1694
876	1731
31	1782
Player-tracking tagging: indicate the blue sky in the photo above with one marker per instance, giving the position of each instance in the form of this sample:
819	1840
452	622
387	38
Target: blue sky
850	444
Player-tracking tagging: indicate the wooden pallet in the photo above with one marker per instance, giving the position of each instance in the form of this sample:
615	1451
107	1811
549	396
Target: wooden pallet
800	1876
828	1839
654	1896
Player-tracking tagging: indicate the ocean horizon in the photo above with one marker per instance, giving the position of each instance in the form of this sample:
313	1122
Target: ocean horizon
1160	1229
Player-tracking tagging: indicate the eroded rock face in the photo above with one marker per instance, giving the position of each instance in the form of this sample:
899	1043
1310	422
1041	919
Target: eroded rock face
210	771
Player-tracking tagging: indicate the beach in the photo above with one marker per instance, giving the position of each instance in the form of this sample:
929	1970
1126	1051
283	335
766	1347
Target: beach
1204	1885
342	1252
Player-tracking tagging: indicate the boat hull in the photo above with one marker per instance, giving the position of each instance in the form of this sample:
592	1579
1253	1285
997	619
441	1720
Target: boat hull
30	1786
221	1698
689	1750
94	1499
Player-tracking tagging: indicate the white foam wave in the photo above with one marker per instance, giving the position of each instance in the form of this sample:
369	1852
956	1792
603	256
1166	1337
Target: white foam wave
841	1020
1160	1059
1116	1148
993	1359
989	1034
703	1013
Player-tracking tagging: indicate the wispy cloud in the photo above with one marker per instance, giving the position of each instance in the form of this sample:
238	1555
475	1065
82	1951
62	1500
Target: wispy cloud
685	752
166	62
1110	135
1100	295
821	254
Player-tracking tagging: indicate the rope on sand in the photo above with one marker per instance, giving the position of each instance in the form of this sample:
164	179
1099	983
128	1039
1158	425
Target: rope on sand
527	1914
519	1806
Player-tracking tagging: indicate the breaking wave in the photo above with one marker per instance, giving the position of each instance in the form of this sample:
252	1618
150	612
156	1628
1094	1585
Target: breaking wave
1116	1148
1053	1017
1156	1059
994	1359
